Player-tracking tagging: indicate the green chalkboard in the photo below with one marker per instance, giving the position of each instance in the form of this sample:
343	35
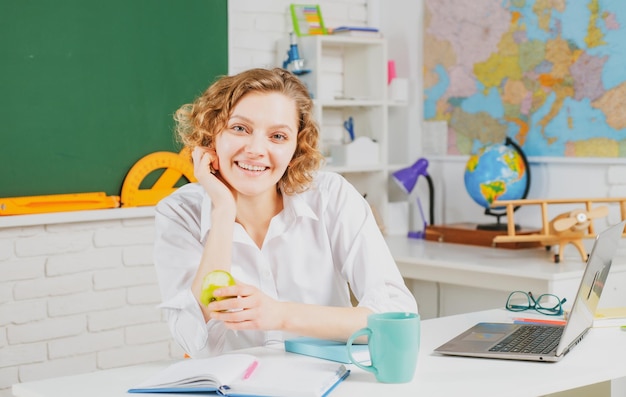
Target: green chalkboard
87	88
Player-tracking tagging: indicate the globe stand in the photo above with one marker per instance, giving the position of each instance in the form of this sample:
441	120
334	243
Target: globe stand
498	225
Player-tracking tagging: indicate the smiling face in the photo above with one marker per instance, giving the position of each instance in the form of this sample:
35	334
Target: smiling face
258	143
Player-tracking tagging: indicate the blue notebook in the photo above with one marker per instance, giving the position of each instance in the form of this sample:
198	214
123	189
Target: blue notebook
235	374
327	349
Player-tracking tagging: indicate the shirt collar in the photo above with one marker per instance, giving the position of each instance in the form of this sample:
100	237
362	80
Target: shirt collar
297	206
294	206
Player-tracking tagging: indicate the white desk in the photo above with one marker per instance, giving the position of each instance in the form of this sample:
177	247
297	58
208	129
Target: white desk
598	358
451	278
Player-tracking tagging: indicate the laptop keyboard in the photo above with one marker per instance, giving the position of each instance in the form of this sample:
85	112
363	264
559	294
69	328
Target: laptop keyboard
530	339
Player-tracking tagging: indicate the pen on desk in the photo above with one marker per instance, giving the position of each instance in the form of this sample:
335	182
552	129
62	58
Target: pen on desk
250	369
519	320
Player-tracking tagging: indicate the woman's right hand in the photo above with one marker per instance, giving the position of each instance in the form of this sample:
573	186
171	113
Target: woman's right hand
206	170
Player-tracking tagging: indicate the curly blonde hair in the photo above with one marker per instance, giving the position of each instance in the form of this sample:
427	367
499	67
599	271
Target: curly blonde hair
198	123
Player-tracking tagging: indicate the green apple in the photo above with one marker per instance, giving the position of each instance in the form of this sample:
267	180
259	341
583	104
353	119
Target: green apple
212	281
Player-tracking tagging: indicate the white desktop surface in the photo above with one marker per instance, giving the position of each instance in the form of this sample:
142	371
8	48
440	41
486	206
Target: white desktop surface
473	278
598	358
535	263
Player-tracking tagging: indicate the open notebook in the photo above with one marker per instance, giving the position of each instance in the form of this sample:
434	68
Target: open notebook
486	339
238	374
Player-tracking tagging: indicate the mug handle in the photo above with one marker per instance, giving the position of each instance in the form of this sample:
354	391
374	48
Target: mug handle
361	332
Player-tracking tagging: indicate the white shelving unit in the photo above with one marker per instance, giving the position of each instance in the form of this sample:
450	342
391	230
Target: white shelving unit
348	78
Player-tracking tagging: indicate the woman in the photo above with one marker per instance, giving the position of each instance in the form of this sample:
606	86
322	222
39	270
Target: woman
295	239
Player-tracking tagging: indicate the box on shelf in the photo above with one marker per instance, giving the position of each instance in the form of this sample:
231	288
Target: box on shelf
361	151
399	90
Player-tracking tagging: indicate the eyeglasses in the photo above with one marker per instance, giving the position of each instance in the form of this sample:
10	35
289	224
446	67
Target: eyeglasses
549	304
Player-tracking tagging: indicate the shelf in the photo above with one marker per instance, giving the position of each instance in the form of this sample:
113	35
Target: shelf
346	169
348	79
348	102
51	218
345	67
396	167
351	40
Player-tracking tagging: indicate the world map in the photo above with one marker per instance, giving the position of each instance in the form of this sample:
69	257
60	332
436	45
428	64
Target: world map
549	74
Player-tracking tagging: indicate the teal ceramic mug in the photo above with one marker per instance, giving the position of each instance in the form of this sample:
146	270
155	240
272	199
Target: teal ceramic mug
393	339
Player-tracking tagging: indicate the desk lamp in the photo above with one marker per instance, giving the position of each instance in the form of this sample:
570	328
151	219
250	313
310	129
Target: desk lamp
407	178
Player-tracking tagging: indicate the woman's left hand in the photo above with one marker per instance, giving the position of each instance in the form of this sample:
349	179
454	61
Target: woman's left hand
248	308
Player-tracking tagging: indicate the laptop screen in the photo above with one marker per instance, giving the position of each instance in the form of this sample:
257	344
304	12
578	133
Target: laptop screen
598	265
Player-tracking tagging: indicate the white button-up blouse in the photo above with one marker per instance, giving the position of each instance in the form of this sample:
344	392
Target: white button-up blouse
323	241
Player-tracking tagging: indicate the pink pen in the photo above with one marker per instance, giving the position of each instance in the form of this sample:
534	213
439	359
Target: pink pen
250	369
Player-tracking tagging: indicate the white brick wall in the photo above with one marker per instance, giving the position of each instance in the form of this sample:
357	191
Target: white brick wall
77	297
81	296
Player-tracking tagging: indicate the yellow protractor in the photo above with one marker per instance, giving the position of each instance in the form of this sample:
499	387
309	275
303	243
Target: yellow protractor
176	165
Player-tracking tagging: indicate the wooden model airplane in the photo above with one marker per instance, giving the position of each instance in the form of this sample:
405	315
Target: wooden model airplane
566	228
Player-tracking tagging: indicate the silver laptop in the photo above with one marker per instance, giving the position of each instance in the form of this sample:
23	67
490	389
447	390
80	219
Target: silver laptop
483	339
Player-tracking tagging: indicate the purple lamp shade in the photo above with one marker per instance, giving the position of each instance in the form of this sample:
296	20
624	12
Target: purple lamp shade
407	177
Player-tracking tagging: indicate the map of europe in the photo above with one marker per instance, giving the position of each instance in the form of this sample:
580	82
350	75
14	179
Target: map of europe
549	74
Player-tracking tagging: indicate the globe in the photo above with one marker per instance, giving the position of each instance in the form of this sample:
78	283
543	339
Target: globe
497	172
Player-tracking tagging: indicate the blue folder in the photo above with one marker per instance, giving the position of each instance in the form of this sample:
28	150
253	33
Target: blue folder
326	349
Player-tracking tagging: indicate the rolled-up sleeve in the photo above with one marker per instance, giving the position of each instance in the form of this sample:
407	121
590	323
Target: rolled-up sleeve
188	328
177	252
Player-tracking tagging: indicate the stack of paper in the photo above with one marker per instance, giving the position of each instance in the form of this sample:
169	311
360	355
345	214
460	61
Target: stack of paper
360	31
610	317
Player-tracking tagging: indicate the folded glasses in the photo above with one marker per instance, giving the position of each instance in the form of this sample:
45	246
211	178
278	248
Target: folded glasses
548	304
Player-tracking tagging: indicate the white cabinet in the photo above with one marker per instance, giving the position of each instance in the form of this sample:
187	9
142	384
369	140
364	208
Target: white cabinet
348	79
